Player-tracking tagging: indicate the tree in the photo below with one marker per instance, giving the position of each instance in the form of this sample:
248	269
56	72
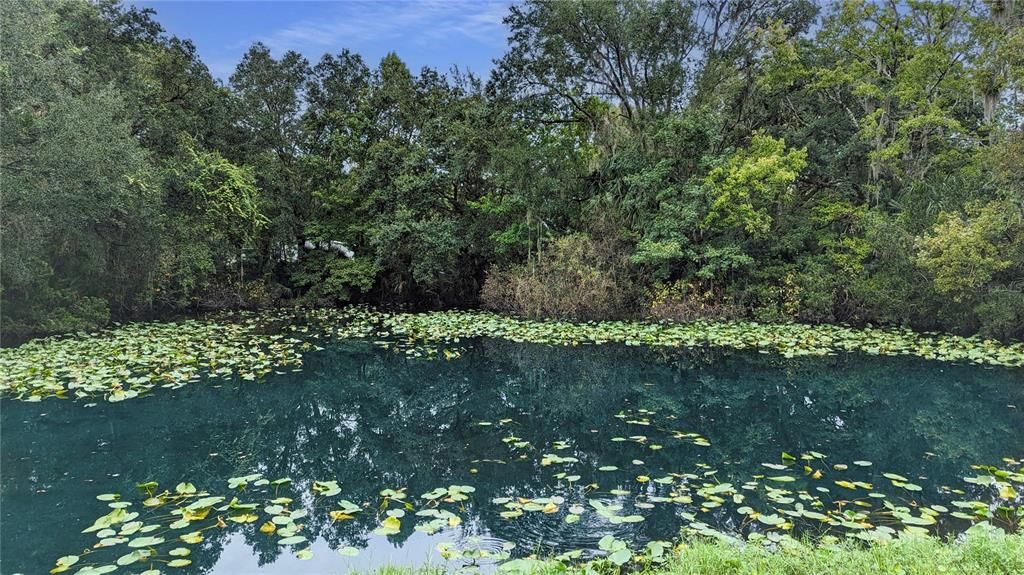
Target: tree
268	105
80	208
700	158
968	256
906	71
212	215
633	53
749	184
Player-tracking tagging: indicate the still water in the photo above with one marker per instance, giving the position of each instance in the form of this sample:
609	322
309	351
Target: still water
374	419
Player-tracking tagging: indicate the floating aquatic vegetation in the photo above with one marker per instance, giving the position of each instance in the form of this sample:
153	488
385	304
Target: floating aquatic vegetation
789	339
127	361
803	493
131	360
169	524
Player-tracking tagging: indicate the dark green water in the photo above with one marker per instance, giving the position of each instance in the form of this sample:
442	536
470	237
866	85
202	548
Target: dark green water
373	419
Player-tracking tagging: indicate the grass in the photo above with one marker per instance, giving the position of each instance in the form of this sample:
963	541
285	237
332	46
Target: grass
975	554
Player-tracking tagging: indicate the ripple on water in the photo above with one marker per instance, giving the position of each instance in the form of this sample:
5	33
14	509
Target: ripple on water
550	534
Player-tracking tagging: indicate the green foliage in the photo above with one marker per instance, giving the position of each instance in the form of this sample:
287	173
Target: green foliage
212	214
331	280
976	259
226	194
960	255
741	162
978	554
79	207
749	183
905	73
577	50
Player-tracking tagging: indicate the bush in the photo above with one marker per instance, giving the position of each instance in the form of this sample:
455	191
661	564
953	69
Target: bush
48	311
577	278
1001	314
683	301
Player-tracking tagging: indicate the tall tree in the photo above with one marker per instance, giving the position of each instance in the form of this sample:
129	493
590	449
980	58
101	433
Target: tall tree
635	53
268	105
80	208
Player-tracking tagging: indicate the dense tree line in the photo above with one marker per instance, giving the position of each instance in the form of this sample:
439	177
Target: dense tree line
859	162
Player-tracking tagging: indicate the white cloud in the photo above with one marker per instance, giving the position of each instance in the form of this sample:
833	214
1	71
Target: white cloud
418	21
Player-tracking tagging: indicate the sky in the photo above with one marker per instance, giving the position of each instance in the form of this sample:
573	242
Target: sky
436	33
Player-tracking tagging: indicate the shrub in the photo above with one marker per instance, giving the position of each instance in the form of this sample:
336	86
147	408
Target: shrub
577	278
234	294
1001	313
329	279
49	311
684	301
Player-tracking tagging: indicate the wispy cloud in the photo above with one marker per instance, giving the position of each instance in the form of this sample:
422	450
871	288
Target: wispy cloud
417	21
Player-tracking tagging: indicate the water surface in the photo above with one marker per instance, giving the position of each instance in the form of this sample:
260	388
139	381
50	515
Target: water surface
375	419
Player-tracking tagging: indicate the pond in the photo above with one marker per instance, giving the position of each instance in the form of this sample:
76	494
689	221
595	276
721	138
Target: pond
620	425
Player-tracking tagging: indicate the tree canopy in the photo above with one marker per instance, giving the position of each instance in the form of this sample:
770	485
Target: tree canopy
854	162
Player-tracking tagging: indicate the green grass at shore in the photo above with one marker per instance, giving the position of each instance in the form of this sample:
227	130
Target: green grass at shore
993	553
976	555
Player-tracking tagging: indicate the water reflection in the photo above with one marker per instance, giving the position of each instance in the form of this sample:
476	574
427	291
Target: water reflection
373	419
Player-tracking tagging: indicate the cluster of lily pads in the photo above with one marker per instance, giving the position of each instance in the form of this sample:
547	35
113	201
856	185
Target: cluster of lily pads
170	523
131	360
160	531
787	339
804	493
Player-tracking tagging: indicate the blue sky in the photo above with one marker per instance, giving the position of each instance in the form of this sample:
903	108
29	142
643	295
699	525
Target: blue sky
436	33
